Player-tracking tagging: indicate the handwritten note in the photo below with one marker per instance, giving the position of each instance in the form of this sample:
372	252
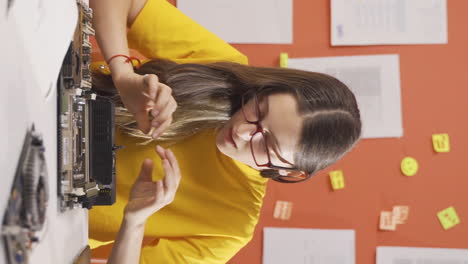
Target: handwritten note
244	21
282	210
409	166
400	214
284	60
365	22
337	180
412	255
387	221
301	245
441	142
448	218
374	80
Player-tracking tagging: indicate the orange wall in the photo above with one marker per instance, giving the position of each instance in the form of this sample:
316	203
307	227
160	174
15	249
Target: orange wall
434	88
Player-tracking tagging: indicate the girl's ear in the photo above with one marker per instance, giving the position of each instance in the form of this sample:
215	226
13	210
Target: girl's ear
295	174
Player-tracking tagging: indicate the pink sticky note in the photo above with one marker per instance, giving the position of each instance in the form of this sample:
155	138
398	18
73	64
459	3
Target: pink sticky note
400	213
387	221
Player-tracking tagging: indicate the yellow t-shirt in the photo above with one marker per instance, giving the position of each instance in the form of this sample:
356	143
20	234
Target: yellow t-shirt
218	201
162	31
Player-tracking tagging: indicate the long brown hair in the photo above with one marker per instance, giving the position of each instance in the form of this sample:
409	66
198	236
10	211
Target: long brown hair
208	95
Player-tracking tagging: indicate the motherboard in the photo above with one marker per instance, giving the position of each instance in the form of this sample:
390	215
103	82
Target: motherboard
86	151
26	210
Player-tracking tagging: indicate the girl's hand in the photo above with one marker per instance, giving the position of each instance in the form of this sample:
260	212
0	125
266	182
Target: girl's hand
143	93
147	196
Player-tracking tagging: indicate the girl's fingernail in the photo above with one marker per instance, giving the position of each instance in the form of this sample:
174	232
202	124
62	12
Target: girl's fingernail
155	113
155	134
151	131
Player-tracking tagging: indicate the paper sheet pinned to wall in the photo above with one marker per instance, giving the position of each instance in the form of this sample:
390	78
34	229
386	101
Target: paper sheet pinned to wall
413	255
300	245
243	21
375	81
373	22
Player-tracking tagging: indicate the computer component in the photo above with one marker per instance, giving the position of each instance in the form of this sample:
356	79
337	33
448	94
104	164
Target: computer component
27	204
86	152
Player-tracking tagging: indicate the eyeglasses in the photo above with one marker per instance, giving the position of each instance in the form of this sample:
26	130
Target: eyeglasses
259	147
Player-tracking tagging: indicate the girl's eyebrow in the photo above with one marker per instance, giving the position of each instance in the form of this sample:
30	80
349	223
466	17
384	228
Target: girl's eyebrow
276	146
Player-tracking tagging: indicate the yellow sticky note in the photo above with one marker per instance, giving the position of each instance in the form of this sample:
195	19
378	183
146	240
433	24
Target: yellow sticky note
283	60
441	142
448	218
409	166
337	179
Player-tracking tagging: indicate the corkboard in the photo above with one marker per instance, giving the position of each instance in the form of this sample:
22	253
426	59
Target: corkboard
434	82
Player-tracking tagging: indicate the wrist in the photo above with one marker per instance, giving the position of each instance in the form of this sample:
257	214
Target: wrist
120	68
131	221
133	218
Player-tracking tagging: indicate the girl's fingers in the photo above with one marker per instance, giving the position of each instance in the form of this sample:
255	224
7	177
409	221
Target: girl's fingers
146	170
164	121
161	152
168	170
163	97
143	121
169	180
161	127
173	106
166	112
159	190
175	165
152	82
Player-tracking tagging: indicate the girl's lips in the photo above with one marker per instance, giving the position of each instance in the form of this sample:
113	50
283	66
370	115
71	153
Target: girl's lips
228	137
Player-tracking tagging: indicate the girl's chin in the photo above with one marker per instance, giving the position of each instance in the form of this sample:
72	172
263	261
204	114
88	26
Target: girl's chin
223	148
220	144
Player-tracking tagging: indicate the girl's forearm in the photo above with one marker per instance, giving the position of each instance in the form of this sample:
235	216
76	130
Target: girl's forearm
110	20
127	245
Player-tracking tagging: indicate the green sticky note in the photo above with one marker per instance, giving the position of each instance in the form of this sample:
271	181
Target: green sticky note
409	166
448	218
441	142
337	179
283	60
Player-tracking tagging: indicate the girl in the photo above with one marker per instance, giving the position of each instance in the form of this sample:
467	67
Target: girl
230	125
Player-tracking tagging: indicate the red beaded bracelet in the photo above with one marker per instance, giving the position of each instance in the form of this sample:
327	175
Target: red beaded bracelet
129	59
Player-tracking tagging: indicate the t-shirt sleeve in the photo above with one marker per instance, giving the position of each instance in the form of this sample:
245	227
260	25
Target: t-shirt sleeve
193	250
163	31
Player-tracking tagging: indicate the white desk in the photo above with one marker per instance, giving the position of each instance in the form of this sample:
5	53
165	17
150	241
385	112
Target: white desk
35	36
